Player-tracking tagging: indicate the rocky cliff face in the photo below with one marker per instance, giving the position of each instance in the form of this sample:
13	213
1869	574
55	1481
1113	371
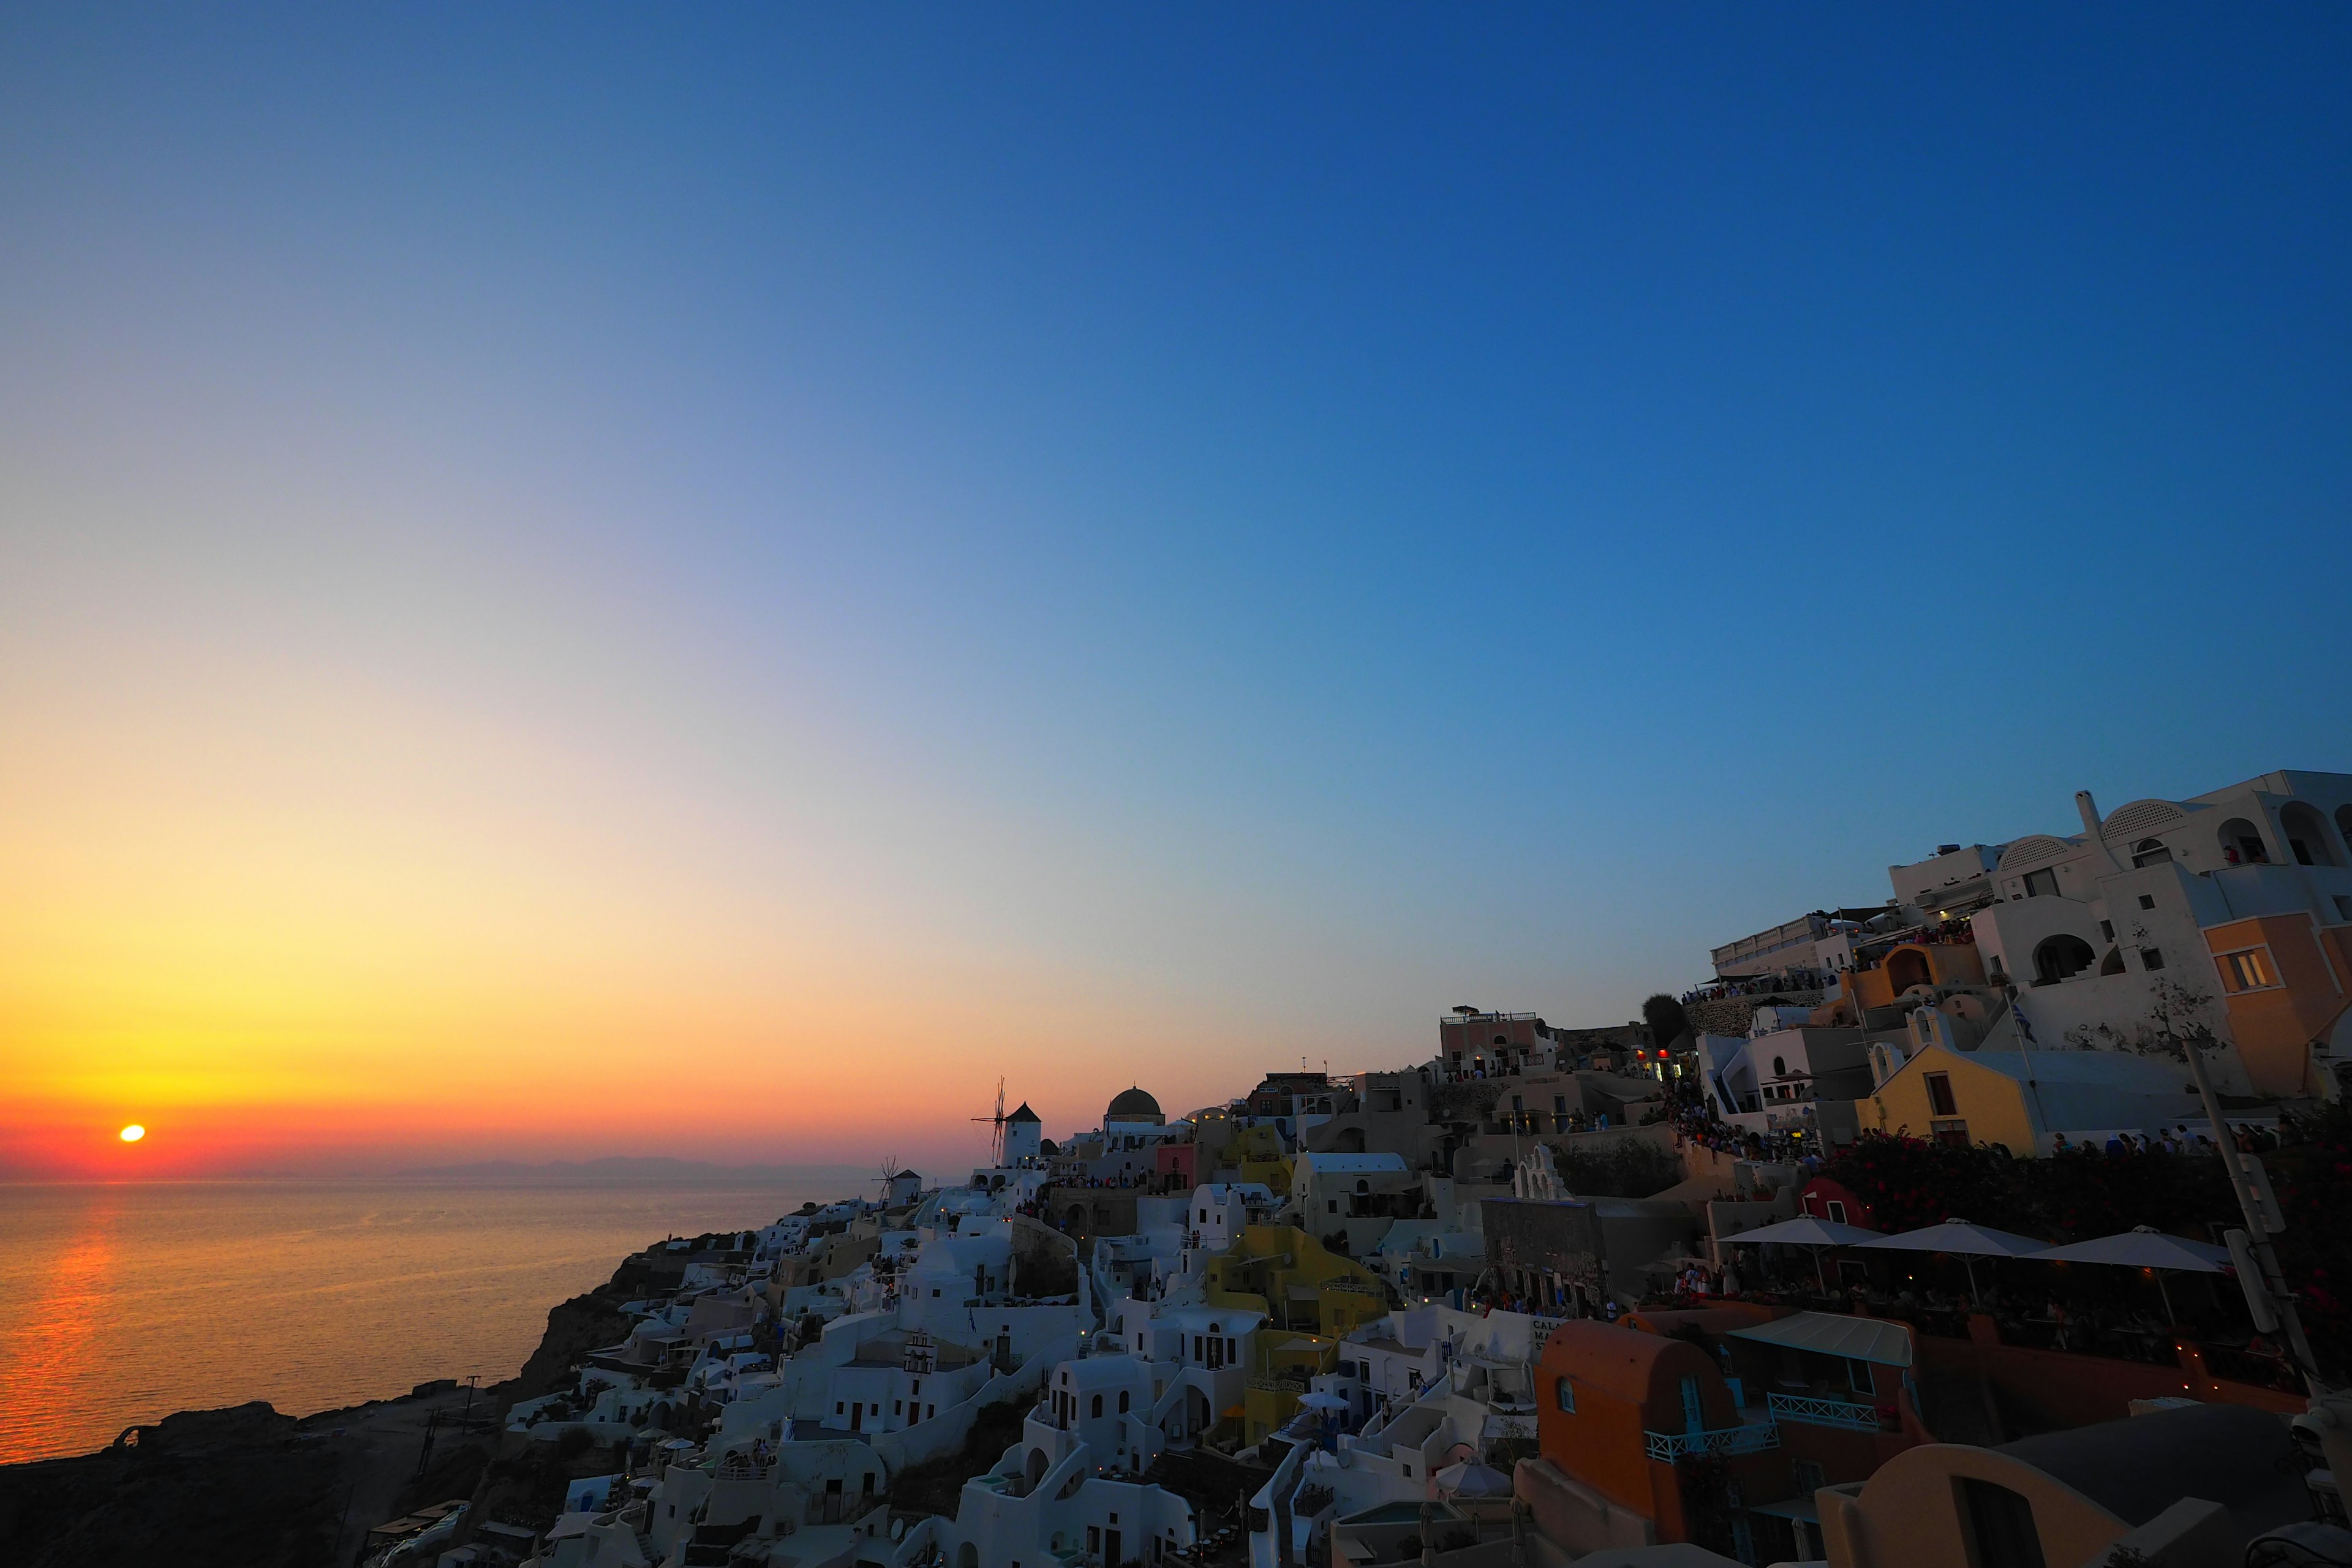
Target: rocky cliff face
204	1489
574	1327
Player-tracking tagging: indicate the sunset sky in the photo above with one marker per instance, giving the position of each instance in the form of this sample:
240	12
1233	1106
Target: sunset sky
707	583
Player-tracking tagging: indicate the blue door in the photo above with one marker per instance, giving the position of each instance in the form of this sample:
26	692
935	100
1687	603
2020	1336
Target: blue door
1693	1413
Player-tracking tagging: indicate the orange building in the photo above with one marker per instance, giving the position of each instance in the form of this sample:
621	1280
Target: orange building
2283	980
1909	965
1642	1443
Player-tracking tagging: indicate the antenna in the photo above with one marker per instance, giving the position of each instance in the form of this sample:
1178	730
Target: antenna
996	1144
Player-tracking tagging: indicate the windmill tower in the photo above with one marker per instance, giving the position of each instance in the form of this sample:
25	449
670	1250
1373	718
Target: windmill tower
996	1124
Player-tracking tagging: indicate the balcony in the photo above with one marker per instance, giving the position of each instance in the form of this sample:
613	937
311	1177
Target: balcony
1840	1412
1753	1437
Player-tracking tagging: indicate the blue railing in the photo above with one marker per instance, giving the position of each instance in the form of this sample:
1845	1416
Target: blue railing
1823	1412
1753	1437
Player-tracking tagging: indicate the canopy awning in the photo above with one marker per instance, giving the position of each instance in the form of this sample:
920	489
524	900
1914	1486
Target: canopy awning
1809	1231
1873	1340
2144	1248
1961	1239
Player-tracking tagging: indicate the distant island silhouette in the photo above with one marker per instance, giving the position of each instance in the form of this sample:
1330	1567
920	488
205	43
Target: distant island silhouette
633	1168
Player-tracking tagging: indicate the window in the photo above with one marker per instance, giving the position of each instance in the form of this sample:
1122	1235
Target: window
1097	1407
2151	958
2147	900
2042	884
1837	1211
1331	1203
1858	1376
1780	1067
1122	1402
2248	971
2150	852
1939	1095
1565	1392
2108	930
1810	1477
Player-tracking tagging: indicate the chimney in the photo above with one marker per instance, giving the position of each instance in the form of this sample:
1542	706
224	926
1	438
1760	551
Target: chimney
2091	825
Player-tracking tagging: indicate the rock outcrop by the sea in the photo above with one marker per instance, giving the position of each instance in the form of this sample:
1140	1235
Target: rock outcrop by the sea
239	1487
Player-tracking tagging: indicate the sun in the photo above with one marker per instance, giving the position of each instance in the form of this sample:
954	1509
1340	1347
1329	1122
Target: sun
132	1133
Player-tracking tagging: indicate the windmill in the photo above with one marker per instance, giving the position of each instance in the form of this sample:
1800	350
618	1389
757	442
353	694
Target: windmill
996	1139
890	1173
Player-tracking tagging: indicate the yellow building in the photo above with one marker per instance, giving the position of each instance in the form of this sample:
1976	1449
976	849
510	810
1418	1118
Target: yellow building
1310	1297
2021	1100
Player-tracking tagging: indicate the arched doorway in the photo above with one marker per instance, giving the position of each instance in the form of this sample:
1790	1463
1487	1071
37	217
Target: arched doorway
2306	834
1034	1470
2241	845
1906	967
2061	957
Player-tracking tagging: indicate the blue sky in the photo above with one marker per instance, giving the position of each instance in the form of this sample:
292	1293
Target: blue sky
1278	521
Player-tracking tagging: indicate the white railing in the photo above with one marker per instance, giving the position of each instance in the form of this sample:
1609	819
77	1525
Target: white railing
1751	1438
1823	1412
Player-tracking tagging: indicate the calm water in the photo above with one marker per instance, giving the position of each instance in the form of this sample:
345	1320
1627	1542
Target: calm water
121	1304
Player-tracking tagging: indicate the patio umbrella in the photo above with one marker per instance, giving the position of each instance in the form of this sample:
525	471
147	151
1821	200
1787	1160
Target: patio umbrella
1811	1233
1964	1241
1473	1480
1318	1400
2145	1247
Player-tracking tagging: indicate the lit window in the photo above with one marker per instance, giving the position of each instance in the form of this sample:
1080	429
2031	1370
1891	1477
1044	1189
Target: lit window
2248	971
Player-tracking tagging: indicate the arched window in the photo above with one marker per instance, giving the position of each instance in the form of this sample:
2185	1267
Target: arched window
2151	852
1779	1067
1565	1392
1363	1188
1096	1409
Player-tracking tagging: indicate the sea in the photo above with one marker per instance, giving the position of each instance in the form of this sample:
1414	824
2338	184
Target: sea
121	1303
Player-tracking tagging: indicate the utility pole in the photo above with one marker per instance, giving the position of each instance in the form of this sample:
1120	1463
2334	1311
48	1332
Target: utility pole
2252	1186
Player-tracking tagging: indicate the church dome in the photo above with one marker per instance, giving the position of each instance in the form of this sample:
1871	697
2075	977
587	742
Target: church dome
1134	1105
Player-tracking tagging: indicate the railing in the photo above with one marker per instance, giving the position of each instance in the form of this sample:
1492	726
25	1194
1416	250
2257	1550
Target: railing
1823	1412
1752	1438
